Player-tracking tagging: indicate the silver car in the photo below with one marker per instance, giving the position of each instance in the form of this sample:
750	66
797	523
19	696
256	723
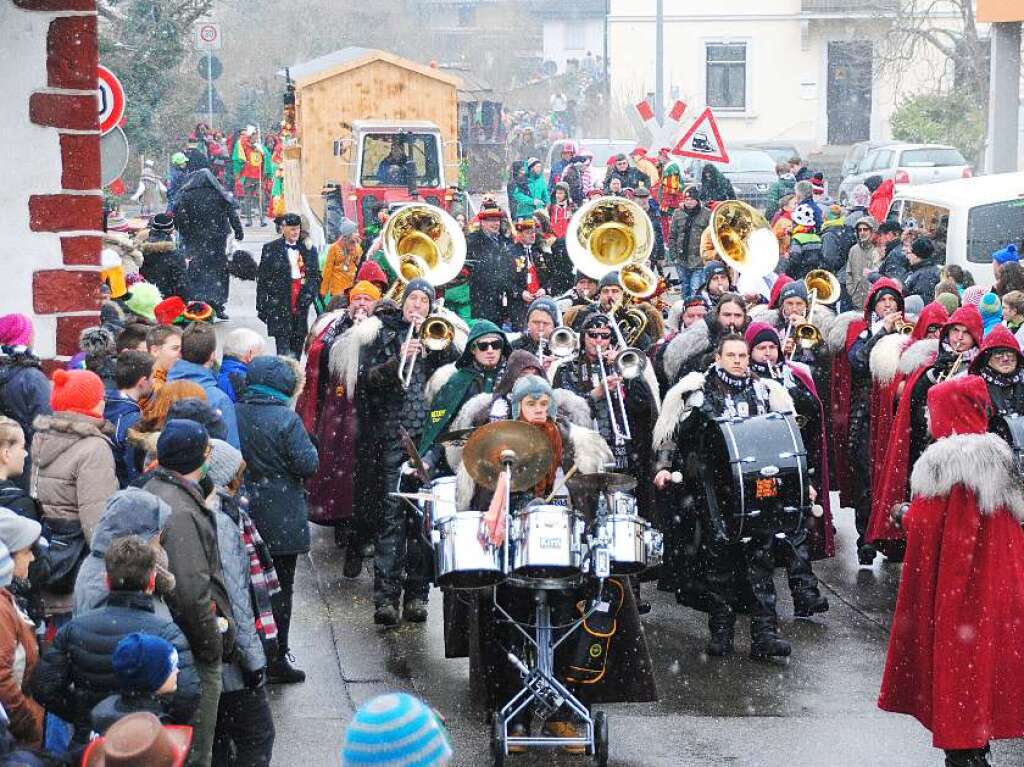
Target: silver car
750	171
907	164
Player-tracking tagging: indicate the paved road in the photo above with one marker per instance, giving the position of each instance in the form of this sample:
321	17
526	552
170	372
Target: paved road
818	709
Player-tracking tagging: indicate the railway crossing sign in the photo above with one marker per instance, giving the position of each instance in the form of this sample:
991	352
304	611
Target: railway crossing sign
661	134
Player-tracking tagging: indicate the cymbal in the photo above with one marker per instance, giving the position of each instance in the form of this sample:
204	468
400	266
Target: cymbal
602	482
531	453
455	435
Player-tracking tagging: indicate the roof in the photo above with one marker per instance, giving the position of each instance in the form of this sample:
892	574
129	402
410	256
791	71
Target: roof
974	191
335	63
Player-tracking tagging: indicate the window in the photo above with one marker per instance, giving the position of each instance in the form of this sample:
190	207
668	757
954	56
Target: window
933	220
879	160
384	158
931	158
726	75
991	227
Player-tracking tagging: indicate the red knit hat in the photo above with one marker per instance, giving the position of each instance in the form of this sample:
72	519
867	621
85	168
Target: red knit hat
76	391
782	281
959	406
168	310
370	271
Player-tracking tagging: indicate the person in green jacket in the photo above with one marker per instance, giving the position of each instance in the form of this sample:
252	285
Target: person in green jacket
783	185
531	194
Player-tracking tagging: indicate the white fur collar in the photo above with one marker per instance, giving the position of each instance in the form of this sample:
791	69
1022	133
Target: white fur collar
684	346
885	357
679	401
836	336
344	359
983	463
918	354
437	381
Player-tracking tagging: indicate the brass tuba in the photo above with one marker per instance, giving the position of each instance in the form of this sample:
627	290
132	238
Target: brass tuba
743	239
608	233
421	240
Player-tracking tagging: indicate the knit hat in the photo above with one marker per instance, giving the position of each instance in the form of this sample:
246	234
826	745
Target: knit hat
990	305
922	247
793	289
169	311
364	288
546	305
76	391
713	269
1004	256
371	272
692	191
15	330
959	406
913	304
223	463
347	227
759	332
803	215
181	446
18	532
396	730
139	738
873	182
532	386
860	197
609	278
143	300
949	302
179	158
143	661
161	222
200	411
972	295
421	285
97	341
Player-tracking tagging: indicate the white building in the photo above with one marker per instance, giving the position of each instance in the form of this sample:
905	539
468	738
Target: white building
803	71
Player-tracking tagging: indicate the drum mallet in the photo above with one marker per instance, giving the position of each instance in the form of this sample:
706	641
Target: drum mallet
566	478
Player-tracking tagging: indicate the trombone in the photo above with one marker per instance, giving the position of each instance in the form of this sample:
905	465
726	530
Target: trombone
436	334
629	364
562	343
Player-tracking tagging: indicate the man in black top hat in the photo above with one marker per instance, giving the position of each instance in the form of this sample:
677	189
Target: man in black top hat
286	286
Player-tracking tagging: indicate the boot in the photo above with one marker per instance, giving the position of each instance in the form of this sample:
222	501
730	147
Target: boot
722	625
866	554
765	641
281	671
386	615
970	757
809	603
415	611
353	562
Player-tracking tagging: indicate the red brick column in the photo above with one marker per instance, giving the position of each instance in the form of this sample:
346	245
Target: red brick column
68	105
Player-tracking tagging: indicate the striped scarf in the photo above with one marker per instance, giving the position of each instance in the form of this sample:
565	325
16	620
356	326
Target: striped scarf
262	578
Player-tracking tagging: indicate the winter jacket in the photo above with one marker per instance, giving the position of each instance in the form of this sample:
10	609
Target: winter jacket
631	178
76	671
857	285
805	254
716	186
274	285
783	186
183	370
234	559
536	189
278	454
19	655
491	276
24	394
573	176
339	271
836	240
164	266
684	234
72	477
231	378
115	707
175	180
560	215
881	199
190	541
123	413
894	264
205	214
921	279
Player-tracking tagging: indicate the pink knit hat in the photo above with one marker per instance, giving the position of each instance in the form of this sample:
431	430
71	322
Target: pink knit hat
972	295
15	330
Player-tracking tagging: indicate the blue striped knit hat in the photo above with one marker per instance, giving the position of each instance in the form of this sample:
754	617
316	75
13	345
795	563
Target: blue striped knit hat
396	730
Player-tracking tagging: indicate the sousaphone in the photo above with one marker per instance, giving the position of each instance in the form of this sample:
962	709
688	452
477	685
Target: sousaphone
743	239
423	241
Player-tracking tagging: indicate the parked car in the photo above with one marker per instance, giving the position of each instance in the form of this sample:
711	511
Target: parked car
751	172
969	219
779	151
908	164
856	154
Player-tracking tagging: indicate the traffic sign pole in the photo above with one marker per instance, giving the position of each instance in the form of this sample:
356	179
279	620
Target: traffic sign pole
209	87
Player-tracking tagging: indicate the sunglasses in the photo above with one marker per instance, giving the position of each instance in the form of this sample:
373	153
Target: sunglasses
592	334
482	346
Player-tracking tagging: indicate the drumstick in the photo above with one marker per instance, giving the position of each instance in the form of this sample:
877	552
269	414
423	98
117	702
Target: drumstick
565	479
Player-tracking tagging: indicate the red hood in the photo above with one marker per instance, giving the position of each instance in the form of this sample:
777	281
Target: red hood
959	406
780	283
882	284
970	318
371	272
933	314
999	337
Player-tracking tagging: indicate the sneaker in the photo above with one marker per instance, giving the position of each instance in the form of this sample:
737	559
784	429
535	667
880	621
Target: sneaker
386	615
565	730
281	671
353	563
805	607
415	611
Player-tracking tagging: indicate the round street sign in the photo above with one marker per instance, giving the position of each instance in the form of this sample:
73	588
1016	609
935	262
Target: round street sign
111	99
113	155
216	68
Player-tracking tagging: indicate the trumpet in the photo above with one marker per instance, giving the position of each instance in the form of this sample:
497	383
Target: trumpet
563	342
436	334
952	368
904	326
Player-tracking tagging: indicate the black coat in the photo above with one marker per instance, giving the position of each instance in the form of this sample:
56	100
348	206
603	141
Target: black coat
274	285
205	214
894	264
76	671
164	266
491	277
279	455
631	178
836	242
921	279
24	394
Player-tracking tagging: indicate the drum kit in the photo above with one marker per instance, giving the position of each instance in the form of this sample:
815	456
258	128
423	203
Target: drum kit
546	547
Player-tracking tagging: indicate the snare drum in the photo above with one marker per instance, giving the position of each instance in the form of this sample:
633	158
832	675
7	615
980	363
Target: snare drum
625	534
546	542
463	559
443	489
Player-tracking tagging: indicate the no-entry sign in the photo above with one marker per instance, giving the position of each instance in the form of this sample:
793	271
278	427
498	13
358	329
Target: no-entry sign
111	99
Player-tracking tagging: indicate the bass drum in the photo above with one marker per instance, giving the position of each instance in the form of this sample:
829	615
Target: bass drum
755	476
1010	427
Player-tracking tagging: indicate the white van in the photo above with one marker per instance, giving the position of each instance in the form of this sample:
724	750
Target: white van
971	217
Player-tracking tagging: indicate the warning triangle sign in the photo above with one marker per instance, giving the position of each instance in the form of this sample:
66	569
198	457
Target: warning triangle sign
702	140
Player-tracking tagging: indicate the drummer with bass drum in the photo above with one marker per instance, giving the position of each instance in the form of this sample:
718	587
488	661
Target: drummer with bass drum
709	567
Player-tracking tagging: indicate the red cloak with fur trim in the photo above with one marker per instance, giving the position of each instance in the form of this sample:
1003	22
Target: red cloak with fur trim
956	652
822	531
